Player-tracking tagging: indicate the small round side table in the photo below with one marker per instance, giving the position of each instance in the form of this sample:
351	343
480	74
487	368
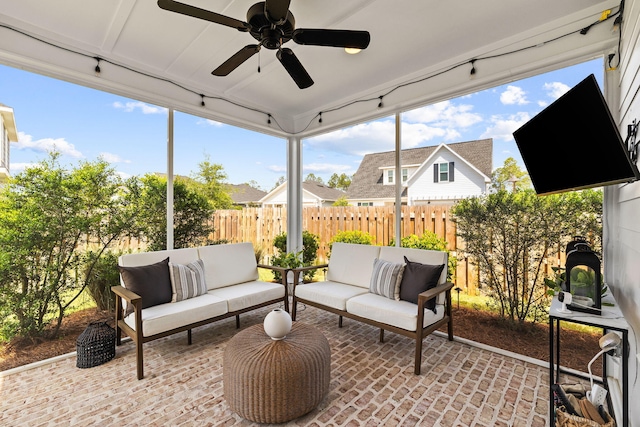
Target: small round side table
268	381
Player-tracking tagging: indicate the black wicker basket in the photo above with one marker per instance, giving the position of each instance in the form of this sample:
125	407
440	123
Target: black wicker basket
95	345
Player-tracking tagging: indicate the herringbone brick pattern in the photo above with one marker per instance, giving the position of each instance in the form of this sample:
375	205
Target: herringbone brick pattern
372	384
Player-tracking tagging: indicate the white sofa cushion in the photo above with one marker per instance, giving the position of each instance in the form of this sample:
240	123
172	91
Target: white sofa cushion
228	264
386	278
248	294
164	317
401	314
352	263
330	294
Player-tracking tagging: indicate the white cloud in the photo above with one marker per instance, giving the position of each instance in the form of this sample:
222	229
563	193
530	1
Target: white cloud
542	104
326	168
131	106
113	158
19	167
434	123
277	169
513	95
556	89
210	122
45	145
502	127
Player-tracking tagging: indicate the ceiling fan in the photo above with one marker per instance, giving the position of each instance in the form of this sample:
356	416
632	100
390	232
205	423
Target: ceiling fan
272	24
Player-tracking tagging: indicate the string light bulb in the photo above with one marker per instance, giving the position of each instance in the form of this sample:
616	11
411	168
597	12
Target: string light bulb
380	104
268	119
320	119
202	104
472	73
97	69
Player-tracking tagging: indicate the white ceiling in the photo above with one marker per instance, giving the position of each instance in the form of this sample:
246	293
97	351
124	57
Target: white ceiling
152	55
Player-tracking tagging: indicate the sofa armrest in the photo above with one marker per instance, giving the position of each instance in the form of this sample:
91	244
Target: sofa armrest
298	270
433	292
129	296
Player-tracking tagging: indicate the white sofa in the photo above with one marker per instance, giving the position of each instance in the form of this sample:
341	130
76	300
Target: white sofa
346	292
232	288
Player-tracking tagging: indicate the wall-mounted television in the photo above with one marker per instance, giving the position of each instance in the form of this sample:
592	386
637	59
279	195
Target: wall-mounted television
574	143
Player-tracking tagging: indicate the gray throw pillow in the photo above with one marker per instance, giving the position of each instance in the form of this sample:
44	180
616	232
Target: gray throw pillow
418	278
385	279
151	282
187	281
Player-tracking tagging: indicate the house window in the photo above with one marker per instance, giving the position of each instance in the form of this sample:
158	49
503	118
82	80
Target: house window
443	172
405	174
365	203
390	176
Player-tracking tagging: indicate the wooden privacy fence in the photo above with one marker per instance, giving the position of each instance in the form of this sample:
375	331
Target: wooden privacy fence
261	225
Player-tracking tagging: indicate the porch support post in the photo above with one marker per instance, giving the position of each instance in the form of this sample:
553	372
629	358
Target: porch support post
294	194
170	179
398	182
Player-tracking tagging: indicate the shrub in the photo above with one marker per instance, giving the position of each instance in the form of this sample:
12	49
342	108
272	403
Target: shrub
101	277
355	236
430	241
309	253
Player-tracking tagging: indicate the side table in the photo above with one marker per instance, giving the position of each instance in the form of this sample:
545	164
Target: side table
268	381
611	319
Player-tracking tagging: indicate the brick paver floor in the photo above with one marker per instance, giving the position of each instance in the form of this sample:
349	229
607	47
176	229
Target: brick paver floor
372	384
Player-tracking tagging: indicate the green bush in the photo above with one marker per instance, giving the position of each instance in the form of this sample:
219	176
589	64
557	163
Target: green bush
430	241
310	245
356	236
102	277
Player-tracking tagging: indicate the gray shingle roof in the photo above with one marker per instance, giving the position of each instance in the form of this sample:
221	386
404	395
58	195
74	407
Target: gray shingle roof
367	182
322	191
244	193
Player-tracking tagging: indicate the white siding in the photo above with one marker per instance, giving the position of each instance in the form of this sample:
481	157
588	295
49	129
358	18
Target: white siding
279	197
467	181
622	205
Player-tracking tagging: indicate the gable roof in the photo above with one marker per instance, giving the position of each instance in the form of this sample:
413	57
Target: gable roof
244	193
322	191
367	182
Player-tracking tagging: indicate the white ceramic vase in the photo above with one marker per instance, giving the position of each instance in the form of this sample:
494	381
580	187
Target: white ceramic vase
277	324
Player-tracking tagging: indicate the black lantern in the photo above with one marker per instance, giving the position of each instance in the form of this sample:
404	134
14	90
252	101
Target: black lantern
583	278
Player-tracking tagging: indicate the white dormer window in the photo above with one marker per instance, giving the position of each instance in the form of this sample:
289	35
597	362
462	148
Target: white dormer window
389	176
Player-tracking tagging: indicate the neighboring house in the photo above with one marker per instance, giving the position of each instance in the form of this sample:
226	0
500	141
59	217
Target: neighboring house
8	134
430	175
245	195
313	194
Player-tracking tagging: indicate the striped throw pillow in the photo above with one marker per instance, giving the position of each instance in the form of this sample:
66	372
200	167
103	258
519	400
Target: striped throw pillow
187	281
386	278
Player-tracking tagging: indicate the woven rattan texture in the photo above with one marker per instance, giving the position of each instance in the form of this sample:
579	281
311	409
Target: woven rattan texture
565	420
95	345
269	381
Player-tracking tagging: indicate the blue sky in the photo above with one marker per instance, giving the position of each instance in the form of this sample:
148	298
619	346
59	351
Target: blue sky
84	124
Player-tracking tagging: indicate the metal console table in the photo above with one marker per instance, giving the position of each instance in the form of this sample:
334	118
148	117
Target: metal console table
611	319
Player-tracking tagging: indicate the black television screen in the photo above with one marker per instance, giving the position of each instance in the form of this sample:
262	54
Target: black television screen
574	143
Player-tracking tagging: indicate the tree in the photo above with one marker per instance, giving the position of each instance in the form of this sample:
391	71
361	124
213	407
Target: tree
341	182
191	213
510	235
310	245
210	180
503	178
342	201
312	178
279	182
49	216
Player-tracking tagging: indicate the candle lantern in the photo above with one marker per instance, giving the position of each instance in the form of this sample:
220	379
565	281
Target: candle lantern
583	278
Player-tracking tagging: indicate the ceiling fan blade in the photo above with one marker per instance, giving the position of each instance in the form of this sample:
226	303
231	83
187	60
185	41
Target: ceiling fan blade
277	11
236	60
207	15
335	38
295	69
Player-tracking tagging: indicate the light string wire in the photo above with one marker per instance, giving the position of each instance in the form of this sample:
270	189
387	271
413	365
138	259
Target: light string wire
379	98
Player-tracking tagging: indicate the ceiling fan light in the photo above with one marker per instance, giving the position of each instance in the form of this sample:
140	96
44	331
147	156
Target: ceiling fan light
352	50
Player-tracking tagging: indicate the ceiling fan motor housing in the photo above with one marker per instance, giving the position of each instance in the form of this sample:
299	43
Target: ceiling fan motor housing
269	35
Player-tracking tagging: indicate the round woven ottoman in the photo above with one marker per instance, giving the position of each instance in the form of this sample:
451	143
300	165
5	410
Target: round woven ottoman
269	381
